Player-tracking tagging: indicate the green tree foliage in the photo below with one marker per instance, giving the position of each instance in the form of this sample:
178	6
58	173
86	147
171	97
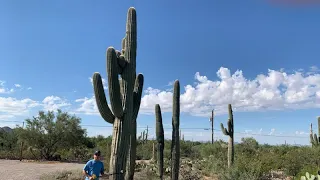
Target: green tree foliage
48	132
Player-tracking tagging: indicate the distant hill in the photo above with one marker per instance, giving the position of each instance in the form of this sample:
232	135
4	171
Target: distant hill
6	129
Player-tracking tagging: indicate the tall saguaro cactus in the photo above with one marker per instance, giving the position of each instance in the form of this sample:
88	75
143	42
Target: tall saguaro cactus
229	132
175	145
160	139
314	139
125	97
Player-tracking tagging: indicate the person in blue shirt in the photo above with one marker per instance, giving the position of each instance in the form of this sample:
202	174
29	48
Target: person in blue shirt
94	167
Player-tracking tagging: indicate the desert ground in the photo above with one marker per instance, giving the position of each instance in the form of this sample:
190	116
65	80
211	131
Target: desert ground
16	170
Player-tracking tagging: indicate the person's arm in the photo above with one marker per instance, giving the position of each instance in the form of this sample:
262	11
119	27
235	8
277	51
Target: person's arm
102	170
85	169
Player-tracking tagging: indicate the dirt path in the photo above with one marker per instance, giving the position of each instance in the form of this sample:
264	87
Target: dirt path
16	170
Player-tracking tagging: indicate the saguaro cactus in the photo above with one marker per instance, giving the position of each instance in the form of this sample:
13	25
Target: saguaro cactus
175	145
125	97
160	139
230	133
314	139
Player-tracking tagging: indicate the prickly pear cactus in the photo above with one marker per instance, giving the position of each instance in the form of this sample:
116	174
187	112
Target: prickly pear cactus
125	97
229	132
310	177
175	145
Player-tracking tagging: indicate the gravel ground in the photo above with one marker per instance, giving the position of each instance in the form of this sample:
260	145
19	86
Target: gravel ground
16	170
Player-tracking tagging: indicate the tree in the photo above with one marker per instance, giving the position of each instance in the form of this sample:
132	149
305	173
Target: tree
48	132
8	140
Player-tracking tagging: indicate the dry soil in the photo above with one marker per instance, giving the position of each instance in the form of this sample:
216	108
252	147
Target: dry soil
16	170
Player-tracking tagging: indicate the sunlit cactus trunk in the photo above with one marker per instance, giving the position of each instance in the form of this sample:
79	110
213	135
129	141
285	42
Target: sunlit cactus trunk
230	133
175	145
125	98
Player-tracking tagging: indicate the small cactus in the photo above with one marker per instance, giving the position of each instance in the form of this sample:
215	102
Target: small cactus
314	139
230	132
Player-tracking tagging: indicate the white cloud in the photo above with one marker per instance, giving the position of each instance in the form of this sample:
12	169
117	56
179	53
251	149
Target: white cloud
29	88
88	106
272	131
275	91
301	133
17	85
3	89
12	107
52	103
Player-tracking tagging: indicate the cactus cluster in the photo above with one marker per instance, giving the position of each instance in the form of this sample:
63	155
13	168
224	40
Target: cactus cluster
175	145
125	97
314	139
229	132
144	136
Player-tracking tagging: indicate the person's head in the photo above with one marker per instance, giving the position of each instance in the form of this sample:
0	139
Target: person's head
97	155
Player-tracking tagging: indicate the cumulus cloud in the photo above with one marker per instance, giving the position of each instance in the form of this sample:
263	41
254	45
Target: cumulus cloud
88	106
53	103
276	90
11	107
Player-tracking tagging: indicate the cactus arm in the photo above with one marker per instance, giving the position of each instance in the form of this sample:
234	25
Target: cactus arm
101	99
224	130
137	95
130	42
113	82
123	45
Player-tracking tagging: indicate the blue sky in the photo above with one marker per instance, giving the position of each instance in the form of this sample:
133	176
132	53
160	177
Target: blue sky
260	56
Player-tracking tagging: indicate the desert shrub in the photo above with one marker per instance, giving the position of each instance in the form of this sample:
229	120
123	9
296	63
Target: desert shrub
144	150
